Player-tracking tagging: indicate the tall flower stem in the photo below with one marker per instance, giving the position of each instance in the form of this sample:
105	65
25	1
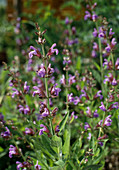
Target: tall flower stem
101	61
113	64
19	150
67	107
47	92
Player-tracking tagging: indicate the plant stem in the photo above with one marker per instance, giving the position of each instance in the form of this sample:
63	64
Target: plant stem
101	60
113	63
47	91
19	150
67	108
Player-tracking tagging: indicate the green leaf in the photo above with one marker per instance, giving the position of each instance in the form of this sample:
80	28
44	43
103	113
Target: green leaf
66	146
72	165
47	144
92	167
1	149
96	75
97	152
60	163
78	64
63	122
56	144
97	66
56	168
77	144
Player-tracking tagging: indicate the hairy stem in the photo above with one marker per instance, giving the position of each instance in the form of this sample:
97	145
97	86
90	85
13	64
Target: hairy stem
47	92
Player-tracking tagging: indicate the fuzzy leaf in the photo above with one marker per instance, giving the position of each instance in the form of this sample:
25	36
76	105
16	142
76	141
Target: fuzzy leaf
63	122
66	146
56	144
60	163
92	167
97	66
47	144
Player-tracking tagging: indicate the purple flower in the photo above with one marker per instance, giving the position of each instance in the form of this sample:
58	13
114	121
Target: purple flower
24	110
38	91
107	121
10	83
13	151
29	131
41	71
63	80
73	116
70	98
45	113
110	32
98	95
37	167
16	92
57	129
75	41
86	126
30	61
26	88
52	50
73	30
7	134
54	90
94	54
87	15
100	143
114	106
101	33
114	82
66	60
108	48
117	64
95	33
84	95
113	42
70	42
108	78
88	111
44	129
19	165
102	107
94	5
25	165
51	80
76	100
102	137
108	64
2	118
89	136
66	20
50	70
35	52
95	114
72	79
94	16
95	46
39	116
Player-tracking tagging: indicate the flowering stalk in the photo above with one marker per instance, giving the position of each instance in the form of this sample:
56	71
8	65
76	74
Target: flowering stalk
101	60
19	151
67	105
47	91
113	64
